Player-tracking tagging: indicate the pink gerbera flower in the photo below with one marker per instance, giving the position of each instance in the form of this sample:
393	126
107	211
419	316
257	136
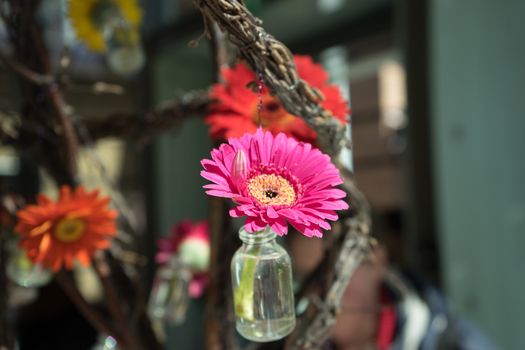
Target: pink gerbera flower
190	242
275	179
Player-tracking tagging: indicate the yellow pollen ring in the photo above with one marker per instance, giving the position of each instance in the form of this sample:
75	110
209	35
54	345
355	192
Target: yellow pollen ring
69	230
271	189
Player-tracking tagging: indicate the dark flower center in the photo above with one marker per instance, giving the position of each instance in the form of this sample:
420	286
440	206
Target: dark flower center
271	189
271	193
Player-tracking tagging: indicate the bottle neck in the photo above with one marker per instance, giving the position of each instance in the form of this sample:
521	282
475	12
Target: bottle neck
260	237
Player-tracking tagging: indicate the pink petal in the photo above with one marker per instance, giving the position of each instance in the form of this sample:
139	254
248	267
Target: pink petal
216	187
331	205
254	224
280	227
294	215
243	210
218	193
313	232
242	200
196	287
270	211
216	178
299	227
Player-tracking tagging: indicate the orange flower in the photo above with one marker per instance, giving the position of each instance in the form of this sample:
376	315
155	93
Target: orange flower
75	226
235	112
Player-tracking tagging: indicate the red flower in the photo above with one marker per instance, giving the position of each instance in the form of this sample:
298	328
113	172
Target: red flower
235	112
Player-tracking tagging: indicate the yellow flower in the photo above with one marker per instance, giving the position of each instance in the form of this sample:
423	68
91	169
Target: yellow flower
82	14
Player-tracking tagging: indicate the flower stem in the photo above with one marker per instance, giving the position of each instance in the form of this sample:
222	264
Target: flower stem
243	294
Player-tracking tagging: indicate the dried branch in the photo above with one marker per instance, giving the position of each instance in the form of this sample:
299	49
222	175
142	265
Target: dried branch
41	104
274	61
220	333
130	291
88	311
135	126
68	133
114	301
6	330
344	257
9	204
142	127
26	73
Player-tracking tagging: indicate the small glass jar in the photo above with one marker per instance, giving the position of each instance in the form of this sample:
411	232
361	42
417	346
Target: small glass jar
24	273
262	287
169	297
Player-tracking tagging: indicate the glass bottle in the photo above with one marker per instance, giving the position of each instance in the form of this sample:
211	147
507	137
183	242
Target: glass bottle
23	272
169	297
262	287
124	53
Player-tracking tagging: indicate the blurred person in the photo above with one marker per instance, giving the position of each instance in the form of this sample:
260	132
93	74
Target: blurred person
388	310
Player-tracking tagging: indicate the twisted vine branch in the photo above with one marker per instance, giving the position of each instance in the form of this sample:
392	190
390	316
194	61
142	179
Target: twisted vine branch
351	247
274	61
139	127
142	127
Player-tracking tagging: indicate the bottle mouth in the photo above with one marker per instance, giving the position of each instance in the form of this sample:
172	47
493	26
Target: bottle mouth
259	237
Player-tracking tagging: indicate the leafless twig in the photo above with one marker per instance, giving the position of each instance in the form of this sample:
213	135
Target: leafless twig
140	127
26	73
344	257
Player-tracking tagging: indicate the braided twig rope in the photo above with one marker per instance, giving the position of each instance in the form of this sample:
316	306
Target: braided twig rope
271	58
345	256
